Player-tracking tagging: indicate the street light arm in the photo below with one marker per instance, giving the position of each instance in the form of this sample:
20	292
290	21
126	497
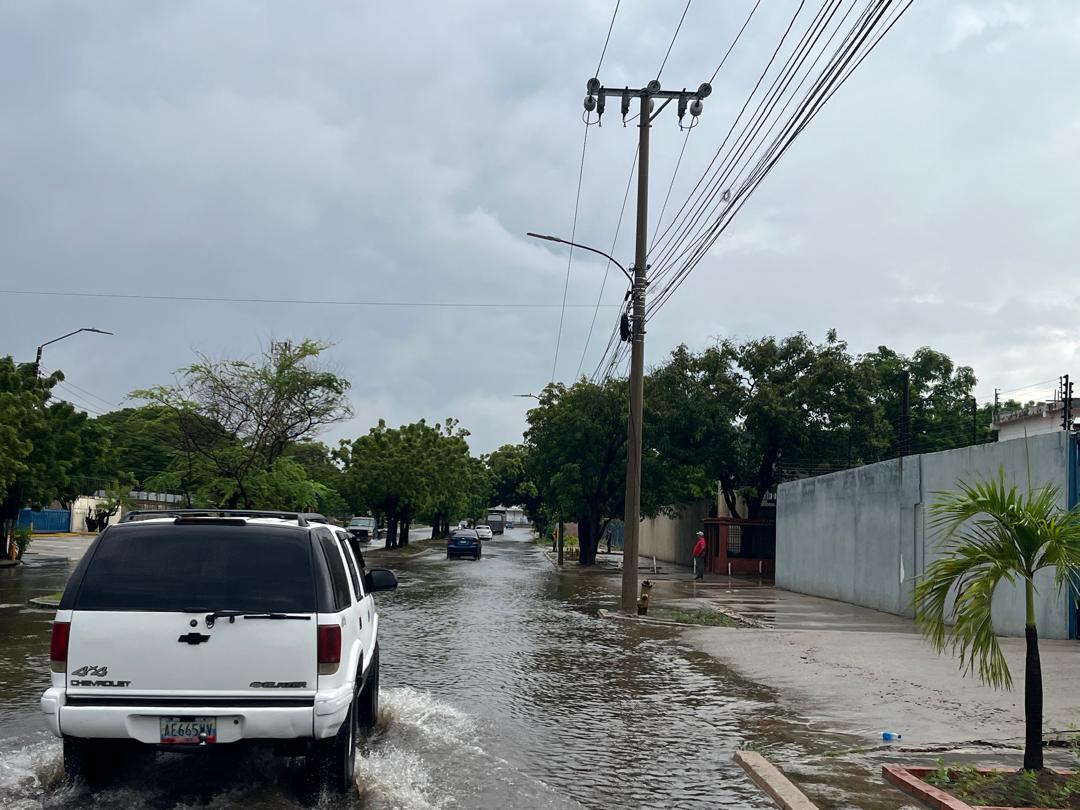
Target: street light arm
69	334
611	259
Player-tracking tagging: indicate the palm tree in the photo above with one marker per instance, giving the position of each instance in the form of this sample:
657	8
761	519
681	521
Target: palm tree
993	533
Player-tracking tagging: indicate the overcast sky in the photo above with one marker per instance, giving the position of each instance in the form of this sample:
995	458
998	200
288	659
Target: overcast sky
354	151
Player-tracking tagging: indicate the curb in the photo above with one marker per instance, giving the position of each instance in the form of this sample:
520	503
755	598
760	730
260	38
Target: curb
767	777
908	779
43	602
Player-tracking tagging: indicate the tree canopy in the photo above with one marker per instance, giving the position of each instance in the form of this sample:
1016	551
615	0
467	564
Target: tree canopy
237	420
48	450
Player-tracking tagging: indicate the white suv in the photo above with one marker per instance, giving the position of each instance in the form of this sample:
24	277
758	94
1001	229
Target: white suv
202	628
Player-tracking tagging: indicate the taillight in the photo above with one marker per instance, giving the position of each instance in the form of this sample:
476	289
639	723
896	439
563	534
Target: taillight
329	648
58	647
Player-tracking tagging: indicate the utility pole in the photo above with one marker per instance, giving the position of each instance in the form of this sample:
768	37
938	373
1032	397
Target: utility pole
595	99
1066	403
974	421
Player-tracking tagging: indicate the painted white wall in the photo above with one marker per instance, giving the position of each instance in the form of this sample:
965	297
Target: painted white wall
671	540
861	535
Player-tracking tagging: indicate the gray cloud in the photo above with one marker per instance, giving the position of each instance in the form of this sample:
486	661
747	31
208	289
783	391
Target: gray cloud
399	152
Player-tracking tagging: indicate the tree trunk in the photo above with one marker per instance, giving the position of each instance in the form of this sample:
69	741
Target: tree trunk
1033	691
435	526
404	529
587	542
391	531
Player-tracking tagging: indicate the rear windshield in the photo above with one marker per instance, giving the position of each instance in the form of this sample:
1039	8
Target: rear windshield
172	568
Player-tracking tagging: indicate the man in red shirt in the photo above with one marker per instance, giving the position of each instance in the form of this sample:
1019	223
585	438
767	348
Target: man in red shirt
699	556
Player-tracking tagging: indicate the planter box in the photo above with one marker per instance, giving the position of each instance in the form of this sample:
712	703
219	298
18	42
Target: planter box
910	780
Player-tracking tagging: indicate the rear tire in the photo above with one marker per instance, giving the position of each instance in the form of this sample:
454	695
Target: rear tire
332	762
367	702
87	760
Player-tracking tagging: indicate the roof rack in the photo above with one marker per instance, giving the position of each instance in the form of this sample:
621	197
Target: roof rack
302	518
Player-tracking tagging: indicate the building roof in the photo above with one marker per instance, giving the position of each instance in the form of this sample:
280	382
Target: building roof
1042	410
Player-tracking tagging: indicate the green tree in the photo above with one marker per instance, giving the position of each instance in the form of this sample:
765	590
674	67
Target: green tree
144	442
940	399
576	443
413	471
993	533
320	465
48	450
508	467
238	418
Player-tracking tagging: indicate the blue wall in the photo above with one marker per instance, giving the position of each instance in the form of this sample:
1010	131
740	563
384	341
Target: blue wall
46	520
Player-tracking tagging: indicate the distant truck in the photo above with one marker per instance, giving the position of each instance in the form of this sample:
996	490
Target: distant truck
497	522
362	528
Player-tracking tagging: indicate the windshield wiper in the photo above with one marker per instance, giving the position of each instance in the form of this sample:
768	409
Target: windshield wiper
213	615
275	616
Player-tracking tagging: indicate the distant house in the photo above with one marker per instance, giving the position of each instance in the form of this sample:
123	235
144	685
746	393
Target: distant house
1044	417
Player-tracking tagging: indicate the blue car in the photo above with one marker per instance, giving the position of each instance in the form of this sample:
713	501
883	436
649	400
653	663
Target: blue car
463	543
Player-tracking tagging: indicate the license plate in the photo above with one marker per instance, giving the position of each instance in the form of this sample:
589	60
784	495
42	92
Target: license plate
463	542
187	730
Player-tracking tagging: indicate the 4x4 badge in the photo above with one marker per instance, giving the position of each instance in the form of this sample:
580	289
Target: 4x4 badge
193	638
93	671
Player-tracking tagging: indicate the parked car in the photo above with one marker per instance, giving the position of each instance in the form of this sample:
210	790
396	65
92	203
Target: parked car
484	532
464	543
192	629
363	528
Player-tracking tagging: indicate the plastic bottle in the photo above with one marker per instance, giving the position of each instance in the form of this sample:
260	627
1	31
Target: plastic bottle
890	736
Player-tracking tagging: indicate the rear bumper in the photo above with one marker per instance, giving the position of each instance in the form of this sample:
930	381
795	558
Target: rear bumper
138	719
455	551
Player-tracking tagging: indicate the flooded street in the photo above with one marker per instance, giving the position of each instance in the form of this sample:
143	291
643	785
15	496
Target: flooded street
502	687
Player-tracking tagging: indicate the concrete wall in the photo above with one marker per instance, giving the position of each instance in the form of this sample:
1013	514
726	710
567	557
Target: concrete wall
860	535
672	539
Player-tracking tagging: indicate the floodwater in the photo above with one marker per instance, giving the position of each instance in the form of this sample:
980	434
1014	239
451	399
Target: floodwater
502	687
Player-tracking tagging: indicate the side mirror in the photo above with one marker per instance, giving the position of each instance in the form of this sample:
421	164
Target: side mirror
380	579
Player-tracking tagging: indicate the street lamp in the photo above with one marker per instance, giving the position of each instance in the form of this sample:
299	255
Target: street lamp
534	396
611	259
37	359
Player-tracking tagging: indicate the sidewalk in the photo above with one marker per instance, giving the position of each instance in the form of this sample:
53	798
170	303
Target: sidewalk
862	671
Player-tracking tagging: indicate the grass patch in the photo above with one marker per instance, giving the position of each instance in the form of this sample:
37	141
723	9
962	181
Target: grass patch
702	616
1009	788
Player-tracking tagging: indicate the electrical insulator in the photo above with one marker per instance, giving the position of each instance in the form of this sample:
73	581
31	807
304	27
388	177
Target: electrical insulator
695	107
590	103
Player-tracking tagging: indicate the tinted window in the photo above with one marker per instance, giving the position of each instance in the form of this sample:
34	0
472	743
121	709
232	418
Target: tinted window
350	563
342	597
169	568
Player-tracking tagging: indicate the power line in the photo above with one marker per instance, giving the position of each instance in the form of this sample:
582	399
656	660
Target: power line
671	185
735	41
668	259
832	77
570	257
93	396
607	39
673	38
749	98
607	265
302	301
